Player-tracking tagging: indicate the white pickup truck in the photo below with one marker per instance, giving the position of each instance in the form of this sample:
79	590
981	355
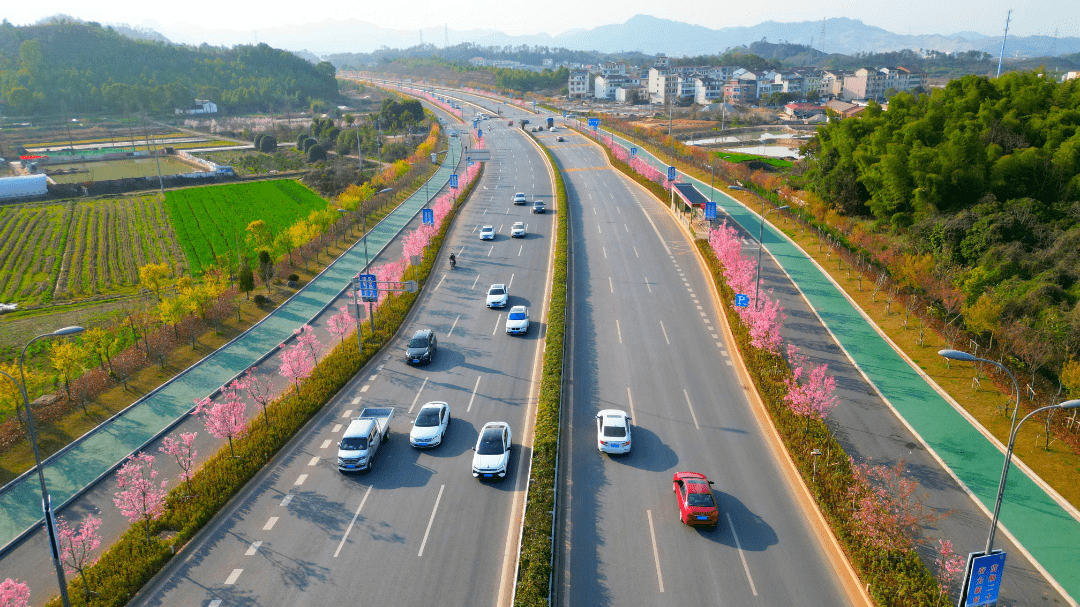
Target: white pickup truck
363	437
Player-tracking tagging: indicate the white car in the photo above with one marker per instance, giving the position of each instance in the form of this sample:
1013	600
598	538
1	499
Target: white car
498	296
492	451
519	198
430	425
517	321
552	129
517	230
487	233
613	431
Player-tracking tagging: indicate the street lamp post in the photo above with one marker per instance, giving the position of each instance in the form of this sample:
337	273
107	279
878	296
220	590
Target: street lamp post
761	233
342	230
364	216
46	501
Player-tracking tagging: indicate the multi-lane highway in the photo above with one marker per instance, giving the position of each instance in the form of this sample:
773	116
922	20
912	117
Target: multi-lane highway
418	529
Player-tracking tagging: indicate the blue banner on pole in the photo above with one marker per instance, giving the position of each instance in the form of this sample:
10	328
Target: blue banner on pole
633	152
453	181
480	133
369	289
475	124
710	210
594	123
742	301
427	216
984	583
671	173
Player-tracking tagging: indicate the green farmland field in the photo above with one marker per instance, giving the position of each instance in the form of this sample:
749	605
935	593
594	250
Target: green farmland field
210	221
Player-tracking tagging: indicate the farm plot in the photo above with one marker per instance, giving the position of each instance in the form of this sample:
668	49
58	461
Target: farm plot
76	250
211	221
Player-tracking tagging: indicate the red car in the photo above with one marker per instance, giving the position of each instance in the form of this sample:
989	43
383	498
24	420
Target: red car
697	506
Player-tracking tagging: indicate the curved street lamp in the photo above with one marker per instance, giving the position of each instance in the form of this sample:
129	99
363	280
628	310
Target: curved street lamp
761	230
46	501
1069	404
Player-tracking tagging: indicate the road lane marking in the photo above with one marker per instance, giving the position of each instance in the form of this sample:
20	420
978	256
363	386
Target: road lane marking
229	581
489	251
431	520
285	500
352	522
314	460
611	285
520	249
691	405
594	210
475	280
453	325
511	283
635	252
469	408
630	399
253	549
665	333
326	443
215	603
364	388
618	330
738	545
604	249
356	400
270	523
440	282
497	321
598	229
655	552
647	285
417	397
337	428
348	412
300	480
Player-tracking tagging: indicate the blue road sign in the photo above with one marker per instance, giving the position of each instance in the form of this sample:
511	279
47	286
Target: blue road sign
369	289
984	579
710	210
470	162
633	152
475	124
480	133
453	181
671	173
594	123
427	216
741	300
564	113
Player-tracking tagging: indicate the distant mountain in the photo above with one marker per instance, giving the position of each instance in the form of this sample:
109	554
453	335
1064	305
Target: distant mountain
641	33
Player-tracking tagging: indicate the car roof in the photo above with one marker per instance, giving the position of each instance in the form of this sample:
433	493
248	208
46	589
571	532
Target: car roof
435	404
519	223
499	425
422	333
607	412
517	309
487	228
695	482
499	285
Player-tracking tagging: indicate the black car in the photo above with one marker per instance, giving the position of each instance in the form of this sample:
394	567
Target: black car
538	207
421	348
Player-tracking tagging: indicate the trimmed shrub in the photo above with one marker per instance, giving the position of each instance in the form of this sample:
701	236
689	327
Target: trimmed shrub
267	144
316	153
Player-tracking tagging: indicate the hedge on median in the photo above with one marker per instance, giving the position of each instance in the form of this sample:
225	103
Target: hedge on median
131	562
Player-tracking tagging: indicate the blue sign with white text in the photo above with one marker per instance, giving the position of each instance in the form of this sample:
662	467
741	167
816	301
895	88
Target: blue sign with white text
710	210
671	173
633	152
742	301
453	181
594	123
480	133
985	582
475	124
564	113
369	289
427	216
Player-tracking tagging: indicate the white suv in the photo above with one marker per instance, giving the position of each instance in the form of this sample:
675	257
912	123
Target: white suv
519	198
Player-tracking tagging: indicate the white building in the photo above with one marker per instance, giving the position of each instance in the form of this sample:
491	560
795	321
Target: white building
604	86
202	106
579	84
707	90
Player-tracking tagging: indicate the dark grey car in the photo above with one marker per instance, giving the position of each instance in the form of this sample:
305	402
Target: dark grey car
421	348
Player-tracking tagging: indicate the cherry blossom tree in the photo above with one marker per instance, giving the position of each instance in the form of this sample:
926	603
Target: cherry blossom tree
389	272
306	338
224	419
259	389
810	388
341	324
948	564
77	547
183	451
14	593
142	496
887	513
295	364
764	321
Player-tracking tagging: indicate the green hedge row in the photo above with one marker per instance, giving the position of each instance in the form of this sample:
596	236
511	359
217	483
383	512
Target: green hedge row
896	578
129	564
534	572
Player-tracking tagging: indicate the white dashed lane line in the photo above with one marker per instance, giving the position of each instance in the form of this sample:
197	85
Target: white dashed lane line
326	443
285	500
665	333
348	412
337	428
233	577
253	548
417	397
300	480
431	520
313	461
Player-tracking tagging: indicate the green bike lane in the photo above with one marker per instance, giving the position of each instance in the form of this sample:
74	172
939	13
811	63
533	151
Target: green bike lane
1048	531
96	454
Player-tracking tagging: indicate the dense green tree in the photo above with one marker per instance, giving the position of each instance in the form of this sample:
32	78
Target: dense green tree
316	153
268	144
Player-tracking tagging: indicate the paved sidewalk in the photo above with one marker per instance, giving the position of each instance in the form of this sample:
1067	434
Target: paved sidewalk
96	454
1046	529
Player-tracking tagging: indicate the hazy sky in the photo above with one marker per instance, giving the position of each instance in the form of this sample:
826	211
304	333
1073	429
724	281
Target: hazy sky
556	16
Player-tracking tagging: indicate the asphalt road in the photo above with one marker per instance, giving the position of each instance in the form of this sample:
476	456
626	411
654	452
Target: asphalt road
417	529
646	338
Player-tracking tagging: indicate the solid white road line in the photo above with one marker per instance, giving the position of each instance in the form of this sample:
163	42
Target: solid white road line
630	399
253	549
469	408
691	409
431	520
326	443
738	545
453	325
270	523
417	397
233	577
285	500
314	460
655	552
497	321
618	330
300	480
352	522
665	333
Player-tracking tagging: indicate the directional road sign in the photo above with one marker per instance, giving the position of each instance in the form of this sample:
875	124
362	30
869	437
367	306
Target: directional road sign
594	123
428	217
369	289
671	173
474	124
742	301
710	210
453	181
633	152
983	582
480	133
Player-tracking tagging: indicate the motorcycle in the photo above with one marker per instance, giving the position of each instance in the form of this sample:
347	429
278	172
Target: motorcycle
453	263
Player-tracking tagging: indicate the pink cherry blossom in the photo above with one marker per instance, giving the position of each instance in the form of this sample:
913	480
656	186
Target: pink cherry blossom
810	389
225	419
14	593
142	497
259	389
183	451
305	336
295	364
341	324
77	547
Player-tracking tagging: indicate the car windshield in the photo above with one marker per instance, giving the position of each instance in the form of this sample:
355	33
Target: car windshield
517	316
353	443
490	443
496	291
485	230
418	342
701	500
614	431
428	418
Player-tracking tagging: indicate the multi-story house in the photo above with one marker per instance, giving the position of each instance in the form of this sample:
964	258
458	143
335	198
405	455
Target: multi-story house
707	90
604	86
579	84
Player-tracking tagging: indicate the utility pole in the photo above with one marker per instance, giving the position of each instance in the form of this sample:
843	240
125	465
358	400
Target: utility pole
1003	39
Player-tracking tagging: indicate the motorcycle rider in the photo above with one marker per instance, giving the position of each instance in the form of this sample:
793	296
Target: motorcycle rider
453	261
